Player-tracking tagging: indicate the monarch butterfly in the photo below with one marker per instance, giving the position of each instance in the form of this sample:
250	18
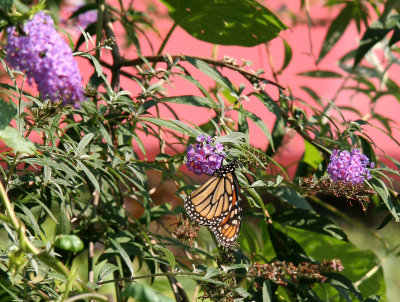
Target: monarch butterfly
217	204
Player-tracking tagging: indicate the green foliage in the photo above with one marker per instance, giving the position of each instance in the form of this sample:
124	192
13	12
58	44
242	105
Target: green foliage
13	138
225	22
92	197
143	292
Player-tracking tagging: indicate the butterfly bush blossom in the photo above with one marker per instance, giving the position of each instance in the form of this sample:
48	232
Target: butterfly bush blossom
44	56
204	156
87	18
350	167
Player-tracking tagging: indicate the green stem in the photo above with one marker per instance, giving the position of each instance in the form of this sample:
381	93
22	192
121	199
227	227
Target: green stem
153	275
11	171
7	204
99	26
32	285
4	218
88	296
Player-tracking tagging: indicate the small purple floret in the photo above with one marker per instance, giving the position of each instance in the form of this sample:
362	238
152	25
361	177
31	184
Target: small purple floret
350	167
204	157
44	56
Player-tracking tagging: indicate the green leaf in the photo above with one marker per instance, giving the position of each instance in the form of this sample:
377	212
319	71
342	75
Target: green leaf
285	246
131	32
105	270
13	139
336	29
156	212
375	33
89	175
357	263
225	22
64	224
6	5
7	112
211	72
168	255
278	133
288	56
30	218
21	7
373	298
311	156
234	138
396	36
97	66
311	221
35	199
367	148
258	184
312	94
271	105
143	108
310	160
385	221
140	143
192	100
144	293
380	188
191	131
243	125
83	143
266	291
196	83
343	285
320	74
104	133
260	123
291	196
123	255
172	124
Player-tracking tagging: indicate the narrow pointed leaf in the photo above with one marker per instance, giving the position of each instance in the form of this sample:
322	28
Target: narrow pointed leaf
225	22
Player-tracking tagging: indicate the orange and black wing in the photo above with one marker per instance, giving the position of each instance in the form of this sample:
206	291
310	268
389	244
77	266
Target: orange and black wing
228	230
212	202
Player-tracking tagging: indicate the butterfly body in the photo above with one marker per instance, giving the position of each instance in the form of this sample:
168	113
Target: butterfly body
217	204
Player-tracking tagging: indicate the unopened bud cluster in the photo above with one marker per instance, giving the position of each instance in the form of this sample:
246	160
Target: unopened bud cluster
340	189
280	271
186	230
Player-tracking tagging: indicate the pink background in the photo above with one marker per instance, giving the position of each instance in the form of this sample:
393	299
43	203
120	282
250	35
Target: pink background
298	38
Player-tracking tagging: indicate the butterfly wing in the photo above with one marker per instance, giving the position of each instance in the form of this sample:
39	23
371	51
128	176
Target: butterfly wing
228	230
211	203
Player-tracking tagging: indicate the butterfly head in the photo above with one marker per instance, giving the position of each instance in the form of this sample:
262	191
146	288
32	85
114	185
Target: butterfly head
228	168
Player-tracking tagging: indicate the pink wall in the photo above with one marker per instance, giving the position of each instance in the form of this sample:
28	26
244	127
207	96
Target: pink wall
297	36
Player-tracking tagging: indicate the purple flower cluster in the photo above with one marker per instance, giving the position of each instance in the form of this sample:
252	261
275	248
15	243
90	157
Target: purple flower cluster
44	56
204	157
350	167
